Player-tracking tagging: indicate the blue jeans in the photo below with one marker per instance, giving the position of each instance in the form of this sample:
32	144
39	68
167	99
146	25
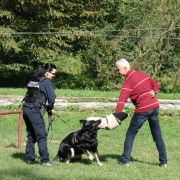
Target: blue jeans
136	123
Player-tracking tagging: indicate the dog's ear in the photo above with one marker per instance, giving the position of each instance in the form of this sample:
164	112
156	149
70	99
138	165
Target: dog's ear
82	121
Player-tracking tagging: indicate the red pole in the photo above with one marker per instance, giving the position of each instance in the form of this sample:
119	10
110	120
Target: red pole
19	125
19	130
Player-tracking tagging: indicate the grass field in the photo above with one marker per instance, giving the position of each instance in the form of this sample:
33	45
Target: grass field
144	160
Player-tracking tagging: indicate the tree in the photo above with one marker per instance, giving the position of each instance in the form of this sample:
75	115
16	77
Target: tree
84	39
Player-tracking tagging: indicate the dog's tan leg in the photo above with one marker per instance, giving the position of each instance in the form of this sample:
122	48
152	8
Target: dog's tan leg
72	152
89	155
97	159
72	155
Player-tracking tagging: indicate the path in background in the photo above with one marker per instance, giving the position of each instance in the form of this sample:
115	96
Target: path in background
63	103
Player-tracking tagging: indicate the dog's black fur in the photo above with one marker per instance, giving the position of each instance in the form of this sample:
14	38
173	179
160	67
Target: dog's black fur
80	142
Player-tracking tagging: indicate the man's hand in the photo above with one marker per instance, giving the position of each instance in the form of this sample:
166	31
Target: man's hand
151	93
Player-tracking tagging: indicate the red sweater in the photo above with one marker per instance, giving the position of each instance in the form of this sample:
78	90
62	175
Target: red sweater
137	86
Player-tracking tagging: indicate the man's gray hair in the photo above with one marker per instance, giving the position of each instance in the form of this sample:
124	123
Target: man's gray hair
123	63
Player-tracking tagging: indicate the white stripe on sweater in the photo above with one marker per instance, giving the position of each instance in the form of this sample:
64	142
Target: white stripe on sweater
148	105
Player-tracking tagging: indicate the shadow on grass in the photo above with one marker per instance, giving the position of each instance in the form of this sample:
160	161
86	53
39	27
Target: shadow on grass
12	145
24	173
85	160
145	162
19	155
104	158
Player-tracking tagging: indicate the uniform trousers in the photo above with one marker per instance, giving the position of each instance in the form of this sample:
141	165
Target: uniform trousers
36	132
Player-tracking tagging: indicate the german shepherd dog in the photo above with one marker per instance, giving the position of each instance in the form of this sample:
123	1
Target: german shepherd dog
80	142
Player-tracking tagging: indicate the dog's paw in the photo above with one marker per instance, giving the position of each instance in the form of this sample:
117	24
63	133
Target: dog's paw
100	164
67	162
89	155
90	158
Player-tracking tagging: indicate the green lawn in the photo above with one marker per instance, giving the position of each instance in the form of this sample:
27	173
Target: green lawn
143	165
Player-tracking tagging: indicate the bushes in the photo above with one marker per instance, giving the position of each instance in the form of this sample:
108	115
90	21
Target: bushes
19	79
85	39
170	83
69	81
13	76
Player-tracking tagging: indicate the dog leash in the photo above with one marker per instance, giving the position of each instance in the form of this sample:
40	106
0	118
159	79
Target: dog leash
51	119
65	122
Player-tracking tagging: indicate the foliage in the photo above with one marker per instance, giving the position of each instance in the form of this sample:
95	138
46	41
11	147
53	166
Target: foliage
84	39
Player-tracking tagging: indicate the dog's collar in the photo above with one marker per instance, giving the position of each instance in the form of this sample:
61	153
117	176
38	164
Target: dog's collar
75	137
76	140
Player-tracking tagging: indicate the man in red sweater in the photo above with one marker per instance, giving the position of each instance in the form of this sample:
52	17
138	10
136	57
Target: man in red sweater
142	90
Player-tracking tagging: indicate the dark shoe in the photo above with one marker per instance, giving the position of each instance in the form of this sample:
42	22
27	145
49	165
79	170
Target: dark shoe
31	162
48	164
125	164
163	165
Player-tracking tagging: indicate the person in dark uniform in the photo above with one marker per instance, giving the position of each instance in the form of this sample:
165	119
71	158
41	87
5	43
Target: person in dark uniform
39	91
